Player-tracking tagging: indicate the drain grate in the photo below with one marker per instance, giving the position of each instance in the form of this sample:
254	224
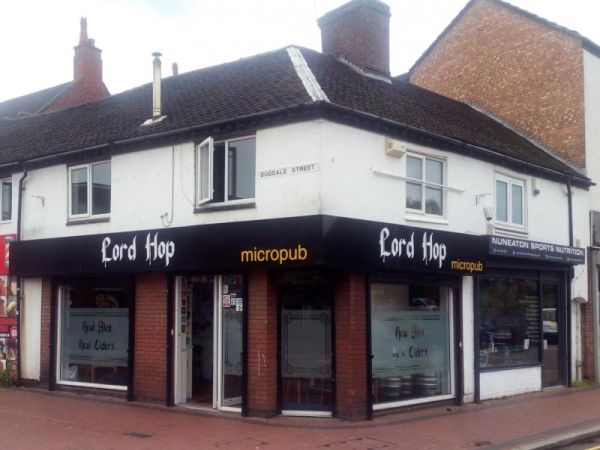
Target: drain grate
138	434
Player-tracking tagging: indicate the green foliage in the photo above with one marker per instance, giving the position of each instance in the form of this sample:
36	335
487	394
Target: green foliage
5	378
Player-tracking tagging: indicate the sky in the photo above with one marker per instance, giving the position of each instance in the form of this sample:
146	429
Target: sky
37	36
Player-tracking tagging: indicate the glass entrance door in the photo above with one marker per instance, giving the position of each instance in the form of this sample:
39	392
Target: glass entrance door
209	336
306	352
552	322
230	341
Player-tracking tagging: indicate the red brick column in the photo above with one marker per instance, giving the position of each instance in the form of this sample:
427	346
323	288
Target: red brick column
262	345
351	347
150	347
45	340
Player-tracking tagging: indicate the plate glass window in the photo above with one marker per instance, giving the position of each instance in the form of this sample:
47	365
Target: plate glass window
509	328
94	334
510	201
411	335
226	171
6	200
90	189
424	185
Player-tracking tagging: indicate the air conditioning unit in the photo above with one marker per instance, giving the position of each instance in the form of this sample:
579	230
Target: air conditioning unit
394	148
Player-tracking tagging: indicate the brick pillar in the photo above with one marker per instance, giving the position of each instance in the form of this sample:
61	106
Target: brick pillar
150	347
45	339
351	347
262	345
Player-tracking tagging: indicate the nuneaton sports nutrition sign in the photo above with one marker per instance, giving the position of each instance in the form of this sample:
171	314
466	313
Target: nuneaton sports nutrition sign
521	248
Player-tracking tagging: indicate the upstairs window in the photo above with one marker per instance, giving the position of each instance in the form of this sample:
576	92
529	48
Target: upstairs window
89	190
510	201
425	185
226	171
6	206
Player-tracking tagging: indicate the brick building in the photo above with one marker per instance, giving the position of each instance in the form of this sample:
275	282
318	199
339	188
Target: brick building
86	86
539	78
292	233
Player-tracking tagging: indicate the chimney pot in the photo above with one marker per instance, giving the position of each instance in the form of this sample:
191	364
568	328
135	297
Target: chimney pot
175	69
83	36
359	32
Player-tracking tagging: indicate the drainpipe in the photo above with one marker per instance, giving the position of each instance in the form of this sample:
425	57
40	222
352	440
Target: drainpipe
569	286
19	220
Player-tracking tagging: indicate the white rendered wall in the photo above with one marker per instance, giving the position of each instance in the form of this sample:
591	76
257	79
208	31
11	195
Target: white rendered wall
468	327
591	80
591	83
505	383
31	313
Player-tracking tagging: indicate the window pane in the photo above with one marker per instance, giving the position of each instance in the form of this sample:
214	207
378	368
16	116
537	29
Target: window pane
433	171
414	196
204	173
509	328
433	201
517	204
94	344
414	168
6	200
410	338
501	201
79	191
219	173
241	169
101	188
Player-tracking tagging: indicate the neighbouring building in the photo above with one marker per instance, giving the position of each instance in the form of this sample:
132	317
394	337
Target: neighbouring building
86	86
292	233
541	79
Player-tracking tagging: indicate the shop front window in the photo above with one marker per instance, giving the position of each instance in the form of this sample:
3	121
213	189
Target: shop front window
509	322
411	344
94	334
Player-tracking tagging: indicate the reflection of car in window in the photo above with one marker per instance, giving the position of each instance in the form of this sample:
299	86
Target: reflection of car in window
550	325
424	303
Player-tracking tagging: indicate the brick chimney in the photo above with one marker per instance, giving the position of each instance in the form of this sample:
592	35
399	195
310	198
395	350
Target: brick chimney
359	32
87	63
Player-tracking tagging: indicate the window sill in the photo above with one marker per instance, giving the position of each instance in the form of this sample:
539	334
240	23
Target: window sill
87	220
513	367
213	207
3	222
425	219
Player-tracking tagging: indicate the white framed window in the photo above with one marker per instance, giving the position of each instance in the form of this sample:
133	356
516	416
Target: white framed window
89	190
6	200
226	171
425	184
510	201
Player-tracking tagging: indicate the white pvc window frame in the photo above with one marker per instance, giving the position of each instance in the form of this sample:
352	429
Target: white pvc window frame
424	184
205	157
90	199
510	182
6	181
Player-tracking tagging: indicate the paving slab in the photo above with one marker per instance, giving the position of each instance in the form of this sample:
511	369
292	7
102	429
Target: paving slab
35	419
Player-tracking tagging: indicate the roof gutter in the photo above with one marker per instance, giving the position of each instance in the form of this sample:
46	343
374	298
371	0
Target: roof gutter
153	136
583	180
309	105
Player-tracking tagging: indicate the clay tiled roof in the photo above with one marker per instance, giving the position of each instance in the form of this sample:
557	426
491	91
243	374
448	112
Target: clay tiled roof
260	85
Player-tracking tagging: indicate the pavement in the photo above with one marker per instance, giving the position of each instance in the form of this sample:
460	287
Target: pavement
36	419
